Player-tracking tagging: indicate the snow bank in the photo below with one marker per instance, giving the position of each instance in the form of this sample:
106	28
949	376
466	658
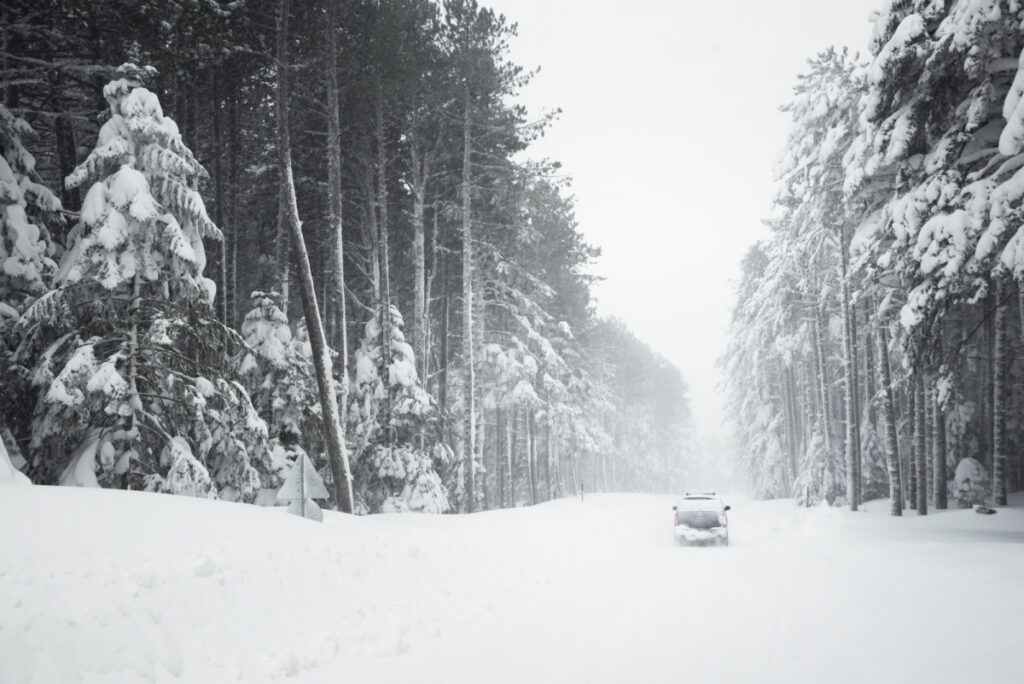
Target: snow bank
8	473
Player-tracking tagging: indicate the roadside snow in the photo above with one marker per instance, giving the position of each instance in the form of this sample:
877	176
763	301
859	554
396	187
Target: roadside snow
110	586
9	475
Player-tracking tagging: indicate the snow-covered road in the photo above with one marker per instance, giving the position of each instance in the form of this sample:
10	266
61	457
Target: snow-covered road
104	586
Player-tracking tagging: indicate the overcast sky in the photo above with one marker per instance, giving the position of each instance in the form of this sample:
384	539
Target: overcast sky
670	132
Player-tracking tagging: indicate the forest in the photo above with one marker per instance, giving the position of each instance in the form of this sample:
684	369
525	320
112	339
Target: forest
233	233
876	342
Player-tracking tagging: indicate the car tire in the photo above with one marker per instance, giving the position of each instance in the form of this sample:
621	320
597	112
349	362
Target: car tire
724	541
681	541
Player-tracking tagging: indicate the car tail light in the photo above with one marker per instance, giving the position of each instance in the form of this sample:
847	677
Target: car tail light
677	518
722	519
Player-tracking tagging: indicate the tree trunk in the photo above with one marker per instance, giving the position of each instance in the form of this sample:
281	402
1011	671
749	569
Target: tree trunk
999	387
513	439
420	169
892	452
231	236
792	427
218	200
444	353
531	474
920	435
428	293
499	457
283	248
824	402
929	416
385	271
914	456
66	152
372	231
822	380
811	397
849	385
869	372
321	356
134	401
939	462
469	405
548	494
988	395
335	198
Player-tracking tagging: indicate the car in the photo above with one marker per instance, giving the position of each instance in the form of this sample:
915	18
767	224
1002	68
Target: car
701	517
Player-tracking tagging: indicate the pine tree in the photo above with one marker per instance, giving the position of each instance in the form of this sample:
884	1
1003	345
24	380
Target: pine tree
27	210
392	472
137	377
280	379
322	363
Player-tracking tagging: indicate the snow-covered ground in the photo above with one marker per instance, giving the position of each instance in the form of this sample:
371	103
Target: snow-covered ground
110	586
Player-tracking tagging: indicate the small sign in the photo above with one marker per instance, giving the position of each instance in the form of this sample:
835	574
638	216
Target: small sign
302	485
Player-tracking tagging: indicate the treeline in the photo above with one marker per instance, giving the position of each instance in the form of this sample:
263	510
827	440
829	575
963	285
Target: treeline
303	227
875	343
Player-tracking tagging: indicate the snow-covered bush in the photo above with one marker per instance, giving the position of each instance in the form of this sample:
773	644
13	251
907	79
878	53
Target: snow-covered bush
971	483
137	379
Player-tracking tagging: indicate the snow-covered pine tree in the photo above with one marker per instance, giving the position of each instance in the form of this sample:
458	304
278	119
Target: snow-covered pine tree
824	113
280	379
137	378
27	211
941	112
391	471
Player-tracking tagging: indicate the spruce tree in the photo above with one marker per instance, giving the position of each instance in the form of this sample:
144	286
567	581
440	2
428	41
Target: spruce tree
137	379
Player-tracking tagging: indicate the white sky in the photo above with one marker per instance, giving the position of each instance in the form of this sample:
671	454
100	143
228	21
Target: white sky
670	131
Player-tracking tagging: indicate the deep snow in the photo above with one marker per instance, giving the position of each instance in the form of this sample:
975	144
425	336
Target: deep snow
110	586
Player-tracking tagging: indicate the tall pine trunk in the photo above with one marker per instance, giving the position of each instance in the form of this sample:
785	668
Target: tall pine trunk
469	399
385	270
849	384
321	355
513	439
892	452
283	245
911	422
822	379
334	193
218	200
939	455
444	353
232	234
920	435
999	387
548	494
420	169
531	473
499	457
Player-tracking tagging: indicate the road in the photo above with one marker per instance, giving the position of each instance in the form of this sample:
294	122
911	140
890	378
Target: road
126	587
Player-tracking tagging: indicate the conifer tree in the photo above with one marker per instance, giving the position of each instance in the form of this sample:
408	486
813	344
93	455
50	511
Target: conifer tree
392	471
137	378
